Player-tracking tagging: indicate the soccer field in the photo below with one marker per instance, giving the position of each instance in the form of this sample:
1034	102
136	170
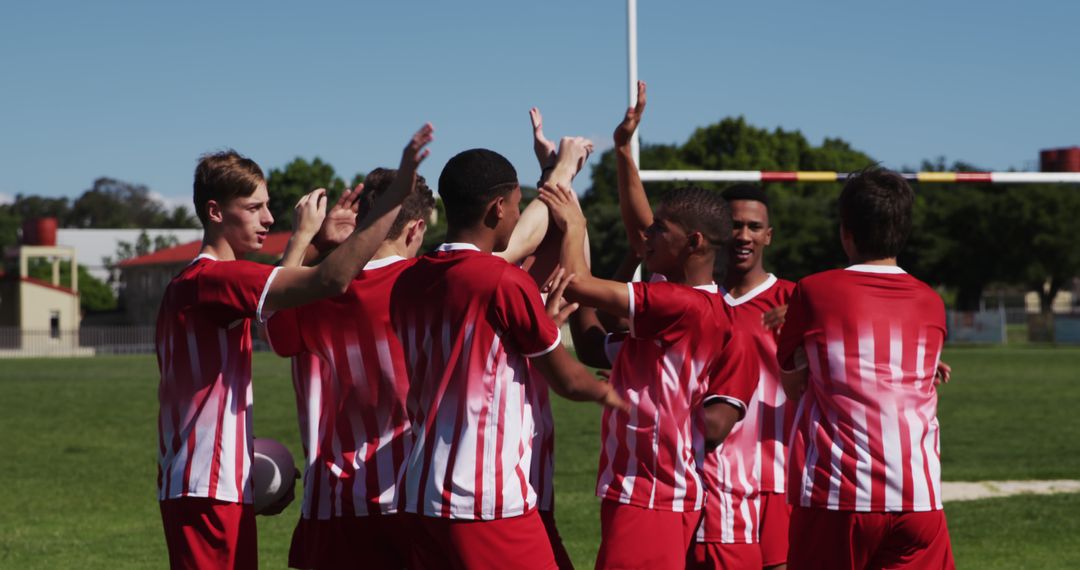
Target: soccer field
77	484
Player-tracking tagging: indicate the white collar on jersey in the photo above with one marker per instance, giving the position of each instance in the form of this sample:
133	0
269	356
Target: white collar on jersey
383	262
749	295
708	288
887	269
203	256
457	247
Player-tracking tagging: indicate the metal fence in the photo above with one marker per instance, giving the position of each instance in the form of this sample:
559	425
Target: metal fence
87	341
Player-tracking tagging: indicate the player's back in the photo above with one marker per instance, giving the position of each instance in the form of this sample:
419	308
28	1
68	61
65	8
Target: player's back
351	384
204	356
468	321
868	421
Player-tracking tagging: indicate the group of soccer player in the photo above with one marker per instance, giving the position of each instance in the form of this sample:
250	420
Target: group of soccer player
748	422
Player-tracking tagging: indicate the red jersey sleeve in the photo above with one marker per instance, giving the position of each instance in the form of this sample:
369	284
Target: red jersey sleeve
235	289
660	310
796	324
517	310
283	333
736	375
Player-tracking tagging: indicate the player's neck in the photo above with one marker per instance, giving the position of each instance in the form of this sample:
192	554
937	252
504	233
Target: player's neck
880	261
390	248
217	246
739	284
480	237
694	274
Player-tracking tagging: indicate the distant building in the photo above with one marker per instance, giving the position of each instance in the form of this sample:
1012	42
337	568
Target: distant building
37	317
143	279
1060	159
95	245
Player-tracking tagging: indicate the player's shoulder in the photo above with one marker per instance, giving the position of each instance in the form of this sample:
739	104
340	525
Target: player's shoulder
826	279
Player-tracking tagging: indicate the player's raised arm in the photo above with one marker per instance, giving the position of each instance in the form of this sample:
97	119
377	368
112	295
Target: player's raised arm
634	206
308	216
559	166
294	286
607	296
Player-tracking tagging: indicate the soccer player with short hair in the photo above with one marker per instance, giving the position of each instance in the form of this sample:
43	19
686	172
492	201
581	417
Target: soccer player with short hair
350	381
683	369
860	348
472	326
204	352
746	515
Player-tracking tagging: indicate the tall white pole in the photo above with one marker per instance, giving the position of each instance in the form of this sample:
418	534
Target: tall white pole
631	58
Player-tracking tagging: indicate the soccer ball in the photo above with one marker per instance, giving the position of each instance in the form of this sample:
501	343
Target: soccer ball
273	473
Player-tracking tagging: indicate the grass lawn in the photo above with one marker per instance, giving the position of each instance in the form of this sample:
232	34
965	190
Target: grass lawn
77	488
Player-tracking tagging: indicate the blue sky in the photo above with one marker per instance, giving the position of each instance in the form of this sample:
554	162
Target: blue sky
138	90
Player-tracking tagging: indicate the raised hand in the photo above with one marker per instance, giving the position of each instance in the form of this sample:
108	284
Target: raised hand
415	153
557	307
340	220
544	149
625	131
563	205
309	213
573	152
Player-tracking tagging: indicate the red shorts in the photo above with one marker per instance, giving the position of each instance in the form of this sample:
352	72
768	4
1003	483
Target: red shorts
826	539
516	542
380	541
636	537
720	556
207	533
562	557
773	523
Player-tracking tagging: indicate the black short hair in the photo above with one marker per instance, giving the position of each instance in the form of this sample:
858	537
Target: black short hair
471	180
746	192
417	205
875	207
696	209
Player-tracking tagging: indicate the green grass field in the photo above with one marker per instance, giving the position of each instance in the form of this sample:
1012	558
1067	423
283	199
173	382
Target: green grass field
77	484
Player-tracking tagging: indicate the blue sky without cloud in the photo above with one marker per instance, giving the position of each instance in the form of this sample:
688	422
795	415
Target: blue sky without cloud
138	90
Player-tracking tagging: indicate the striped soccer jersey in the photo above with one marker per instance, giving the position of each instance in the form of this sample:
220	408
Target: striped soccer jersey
681	352
468	322
204	357
866	430
351	384
744	466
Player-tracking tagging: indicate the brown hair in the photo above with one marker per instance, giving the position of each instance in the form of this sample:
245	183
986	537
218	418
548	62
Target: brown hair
223	176
416	206
875	206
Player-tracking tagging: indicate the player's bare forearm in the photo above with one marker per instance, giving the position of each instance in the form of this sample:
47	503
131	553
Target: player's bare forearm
608	296
528	234
634	206
589	334
720	419
571	380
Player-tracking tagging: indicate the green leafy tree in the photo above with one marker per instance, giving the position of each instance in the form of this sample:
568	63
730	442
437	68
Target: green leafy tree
287	185
112	203
94	294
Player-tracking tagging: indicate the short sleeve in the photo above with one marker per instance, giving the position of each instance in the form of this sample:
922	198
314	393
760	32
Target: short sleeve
518	311
796	323
283	333
736	375
235	289
660	311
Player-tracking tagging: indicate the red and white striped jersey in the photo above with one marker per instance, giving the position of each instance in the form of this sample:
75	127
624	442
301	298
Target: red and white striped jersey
543	460
752	456
468	322
204	356
866	430
351	384
771	416
680	353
